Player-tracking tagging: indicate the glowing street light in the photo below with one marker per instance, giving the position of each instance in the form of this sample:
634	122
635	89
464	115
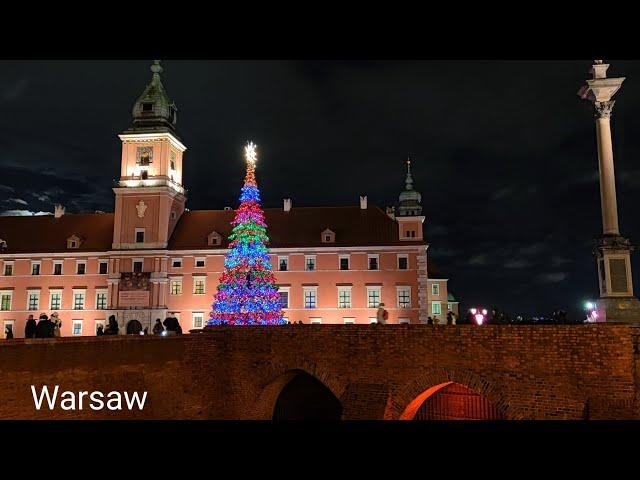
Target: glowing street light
479	315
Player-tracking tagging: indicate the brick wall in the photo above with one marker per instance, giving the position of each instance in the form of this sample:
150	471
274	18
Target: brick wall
528	372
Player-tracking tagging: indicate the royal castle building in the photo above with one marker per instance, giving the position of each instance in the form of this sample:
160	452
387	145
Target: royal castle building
152	258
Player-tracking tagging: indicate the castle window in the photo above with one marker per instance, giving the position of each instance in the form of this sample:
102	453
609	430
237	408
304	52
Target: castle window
404	297
310	296
147	107
374	294
78	300
310	263
5	300
283	293
214	238
81	268
435	289
435	308
328	236
344	262
176	263
139	235
104	267
55	299
137	266
198	286
73	241
101	300
144	175
57	268
176	287
77	327
373	262
8	269
344	297
144	156
283	264
199	262
198	319
403	262
35	268
34	300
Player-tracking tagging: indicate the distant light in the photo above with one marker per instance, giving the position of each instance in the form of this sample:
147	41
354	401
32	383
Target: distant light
250	153
479	318
484	312
473	311
589	305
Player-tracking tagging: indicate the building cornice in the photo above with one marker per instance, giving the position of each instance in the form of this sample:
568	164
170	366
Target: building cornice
138	137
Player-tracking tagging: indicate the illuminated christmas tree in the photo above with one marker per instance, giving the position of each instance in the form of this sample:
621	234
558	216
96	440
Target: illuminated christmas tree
247	293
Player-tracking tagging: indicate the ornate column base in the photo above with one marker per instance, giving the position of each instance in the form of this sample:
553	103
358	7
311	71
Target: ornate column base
620	309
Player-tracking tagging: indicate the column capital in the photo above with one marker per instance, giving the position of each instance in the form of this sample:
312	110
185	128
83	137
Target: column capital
603	109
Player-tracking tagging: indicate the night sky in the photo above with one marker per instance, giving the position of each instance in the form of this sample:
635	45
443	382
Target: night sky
503	152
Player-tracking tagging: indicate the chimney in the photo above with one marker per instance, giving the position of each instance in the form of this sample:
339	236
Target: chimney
363	202
58	211
287	204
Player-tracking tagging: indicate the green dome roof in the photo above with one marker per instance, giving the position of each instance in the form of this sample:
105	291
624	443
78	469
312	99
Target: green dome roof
154	108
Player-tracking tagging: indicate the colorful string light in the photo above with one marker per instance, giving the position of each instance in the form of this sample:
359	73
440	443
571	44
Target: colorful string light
247	293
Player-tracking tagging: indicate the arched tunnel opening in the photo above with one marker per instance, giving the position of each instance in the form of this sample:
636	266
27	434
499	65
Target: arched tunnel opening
451	401
306	398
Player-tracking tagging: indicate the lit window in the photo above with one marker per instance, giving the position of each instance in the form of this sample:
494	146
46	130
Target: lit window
283	264
435	308
101	300
198	319
310	297
344	263
403	262
176	287
78	301
404	297
35	268
81	268
104	266
284	299
77	327
56	300
344	298
8	268
34	301
373	262
449	307
435	289
373	297
310	264
315	321
5	301
198	286
57	268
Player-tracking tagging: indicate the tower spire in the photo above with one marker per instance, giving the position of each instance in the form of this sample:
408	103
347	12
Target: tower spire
409	179
154	111
409	198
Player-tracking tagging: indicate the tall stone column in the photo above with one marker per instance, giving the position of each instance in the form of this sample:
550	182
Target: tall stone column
612	251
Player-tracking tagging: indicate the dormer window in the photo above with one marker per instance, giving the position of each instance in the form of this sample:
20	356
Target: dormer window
214	239
147	107
328	236
73	241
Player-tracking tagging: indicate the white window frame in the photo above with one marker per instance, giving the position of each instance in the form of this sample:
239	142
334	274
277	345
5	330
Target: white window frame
315	320
100	263
373	289
74	322
304	297
173	280
345	288
194	316
306	263
371	256
39	264
403	288
37	294
196	279
349	320
82	292
286	290
10	294
5	324
4	268
81	262
144	235
435	289
450	307
53	268
105	292
280	259
200	259
405	256
343	257
176	260
137	260
97	322
51	294
404	320
433	310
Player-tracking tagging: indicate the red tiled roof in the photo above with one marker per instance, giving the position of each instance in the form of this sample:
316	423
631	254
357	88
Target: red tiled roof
46	233
300	227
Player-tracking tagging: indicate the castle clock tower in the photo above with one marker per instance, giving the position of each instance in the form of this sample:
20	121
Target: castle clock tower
150	197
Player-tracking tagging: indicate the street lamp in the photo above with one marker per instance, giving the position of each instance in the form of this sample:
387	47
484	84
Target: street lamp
479	315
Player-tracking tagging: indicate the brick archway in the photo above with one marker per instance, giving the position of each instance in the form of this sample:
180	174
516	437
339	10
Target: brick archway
413	394
268	396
